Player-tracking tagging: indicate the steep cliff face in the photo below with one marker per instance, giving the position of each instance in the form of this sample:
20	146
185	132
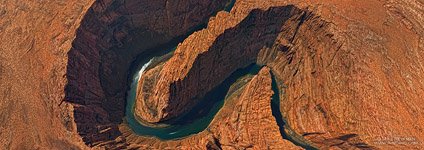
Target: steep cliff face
244	122
359	86
195	70
344	75
112	33
247	121
349	73
35	37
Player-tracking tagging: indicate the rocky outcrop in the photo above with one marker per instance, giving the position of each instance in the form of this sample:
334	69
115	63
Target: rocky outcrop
349	73
313	62
340	74
244	122
247	122
355	84
111	35
36	36
196	68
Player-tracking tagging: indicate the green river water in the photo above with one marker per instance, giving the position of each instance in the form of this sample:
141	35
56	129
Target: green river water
201	115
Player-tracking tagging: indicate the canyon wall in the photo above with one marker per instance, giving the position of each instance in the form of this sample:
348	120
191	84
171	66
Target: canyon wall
35	38
244	122
347	80
111	34
247	121
195	69
349	73
359	85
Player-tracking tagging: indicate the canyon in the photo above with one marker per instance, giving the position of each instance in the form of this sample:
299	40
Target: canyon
329	74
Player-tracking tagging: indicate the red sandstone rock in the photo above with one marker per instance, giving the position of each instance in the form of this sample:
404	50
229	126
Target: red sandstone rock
207	57
356	83
244	122
346	76
78	44
247	121
351	73
111	35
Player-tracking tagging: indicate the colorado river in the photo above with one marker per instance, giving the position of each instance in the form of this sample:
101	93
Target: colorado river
194	121
201	115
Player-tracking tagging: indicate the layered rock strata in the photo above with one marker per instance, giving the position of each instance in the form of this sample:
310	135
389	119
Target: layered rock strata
200	62
244	122
35	37
359	85
340	73
247	121
354	81
111	35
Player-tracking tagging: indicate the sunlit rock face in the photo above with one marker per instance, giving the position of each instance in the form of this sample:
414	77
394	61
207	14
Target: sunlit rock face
349	74
247	120
208	57
336	71
344	83
110	36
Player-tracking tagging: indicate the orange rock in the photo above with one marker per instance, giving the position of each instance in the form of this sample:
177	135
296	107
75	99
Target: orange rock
64	65
347	74
350	73
209	56
356	83
245	121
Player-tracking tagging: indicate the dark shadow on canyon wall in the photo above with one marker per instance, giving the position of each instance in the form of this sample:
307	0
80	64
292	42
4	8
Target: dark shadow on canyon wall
207	103
111	35
236	48
114	32
276	112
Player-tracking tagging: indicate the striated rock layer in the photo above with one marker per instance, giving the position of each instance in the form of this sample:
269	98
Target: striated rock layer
348	79
360	86
350	73
35	37
64	64
244	122
248	121
111	35
200	63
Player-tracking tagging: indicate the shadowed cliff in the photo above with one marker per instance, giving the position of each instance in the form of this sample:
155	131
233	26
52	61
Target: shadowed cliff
111	35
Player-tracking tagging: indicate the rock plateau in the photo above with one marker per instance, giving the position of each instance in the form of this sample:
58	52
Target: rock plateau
334	74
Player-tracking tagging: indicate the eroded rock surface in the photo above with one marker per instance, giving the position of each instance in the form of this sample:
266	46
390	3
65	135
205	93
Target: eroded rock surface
35	37
111	35
244	122
247	121
344	75
201	62
357	83
39	57
350	73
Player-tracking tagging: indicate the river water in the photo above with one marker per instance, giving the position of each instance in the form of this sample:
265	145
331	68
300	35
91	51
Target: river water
201	115
192	122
